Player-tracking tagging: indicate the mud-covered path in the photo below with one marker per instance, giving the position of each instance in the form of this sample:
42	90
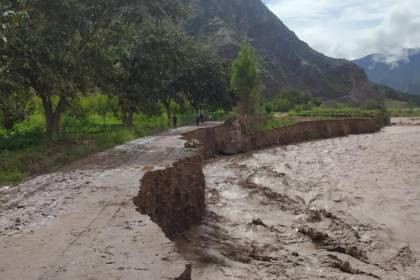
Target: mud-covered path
345	208
81	223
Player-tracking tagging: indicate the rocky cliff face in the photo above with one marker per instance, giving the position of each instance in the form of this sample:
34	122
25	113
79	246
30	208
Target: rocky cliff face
286	61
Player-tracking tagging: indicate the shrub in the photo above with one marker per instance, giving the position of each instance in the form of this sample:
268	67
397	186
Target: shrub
11	177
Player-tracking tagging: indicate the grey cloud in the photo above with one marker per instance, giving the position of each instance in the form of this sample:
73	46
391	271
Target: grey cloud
388	27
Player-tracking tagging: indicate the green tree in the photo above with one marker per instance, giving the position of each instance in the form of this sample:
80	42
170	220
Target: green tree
15	106
55	49
204	80
145	58
14	99
150	67
245	79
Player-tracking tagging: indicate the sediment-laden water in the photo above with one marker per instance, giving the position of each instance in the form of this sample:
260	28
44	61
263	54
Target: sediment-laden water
345	208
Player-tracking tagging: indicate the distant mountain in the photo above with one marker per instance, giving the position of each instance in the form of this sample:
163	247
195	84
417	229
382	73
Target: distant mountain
402	75
287	62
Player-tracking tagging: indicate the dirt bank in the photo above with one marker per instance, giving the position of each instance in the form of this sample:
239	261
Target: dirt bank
344	208
233	137
174	197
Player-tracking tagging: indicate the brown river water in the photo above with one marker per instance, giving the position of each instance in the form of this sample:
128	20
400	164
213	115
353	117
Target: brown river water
344	208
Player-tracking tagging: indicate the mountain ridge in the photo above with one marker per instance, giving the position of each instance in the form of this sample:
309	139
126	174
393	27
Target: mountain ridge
401	74
287	62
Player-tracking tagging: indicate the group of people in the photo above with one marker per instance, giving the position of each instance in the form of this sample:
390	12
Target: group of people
200	119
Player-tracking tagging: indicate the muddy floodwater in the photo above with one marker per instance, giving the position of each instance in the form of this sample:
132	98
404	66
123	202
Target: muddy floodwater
344	208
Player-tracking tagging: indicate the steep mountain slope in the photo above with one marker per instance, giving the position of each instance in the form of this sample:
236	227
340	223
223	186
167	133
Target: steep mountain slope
287	62
403	75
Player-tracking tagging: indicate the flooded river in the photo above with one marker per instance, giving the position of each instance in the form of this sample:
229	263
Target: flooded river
344	208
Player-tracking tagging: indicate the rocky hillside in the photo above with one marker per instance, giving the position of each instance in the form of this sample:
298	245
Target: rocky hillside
402	75
286	61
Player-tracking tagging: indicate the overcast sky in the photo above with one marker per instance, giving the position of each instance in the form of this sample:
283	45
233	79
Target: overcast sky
353	28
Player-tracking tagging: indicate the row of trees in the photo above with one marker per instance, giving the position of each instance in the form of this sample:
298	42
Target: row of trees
136	51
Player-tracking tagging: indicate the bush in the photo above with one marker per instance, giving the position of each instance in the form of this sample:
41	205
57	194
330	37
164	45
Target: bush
292	100
22	138
11	176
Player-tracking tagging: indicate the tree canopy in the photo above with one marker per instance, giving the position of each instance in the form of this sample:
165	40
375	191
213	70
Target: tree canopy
245	79
136	51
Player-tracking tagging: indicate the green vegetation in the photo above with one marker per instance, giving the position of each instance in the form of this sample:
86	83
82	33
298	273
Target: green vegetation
396	104
245	80
292	100
78	77
269	122
402	108
390	94
405	112
335	112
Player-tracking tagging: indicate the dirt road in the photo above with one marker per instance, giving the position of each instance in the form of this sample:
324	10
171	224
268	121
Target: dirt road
345	208
81	223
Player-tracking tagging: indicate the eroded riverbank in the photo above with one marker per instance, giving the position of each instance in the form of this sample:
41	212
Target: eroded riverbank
344	208
81	222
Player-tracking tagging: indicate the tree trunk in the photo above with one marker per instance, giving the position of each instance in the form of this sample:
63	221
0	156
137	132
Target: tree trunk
8	121
53	122
53	117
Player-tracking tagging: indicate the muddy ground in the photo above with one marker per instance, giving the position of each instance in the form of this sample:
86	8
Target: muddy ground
345	208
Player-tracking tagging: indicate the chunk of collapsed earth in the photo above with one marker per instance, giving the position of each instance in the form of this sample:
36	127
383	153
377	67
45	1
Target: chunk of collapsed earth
194	143
315	235
258	222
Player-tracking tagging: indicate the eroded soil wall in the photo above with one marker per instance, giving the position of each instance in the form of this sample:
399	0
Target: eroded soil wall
231	138
174	197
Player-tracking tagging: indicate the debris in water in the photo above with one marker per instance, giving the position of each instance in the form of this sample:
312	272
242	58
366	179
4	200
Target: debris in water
258	222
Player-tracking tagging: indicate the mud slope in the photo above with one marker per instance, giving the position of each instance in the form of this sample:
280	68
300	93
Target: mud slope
343	208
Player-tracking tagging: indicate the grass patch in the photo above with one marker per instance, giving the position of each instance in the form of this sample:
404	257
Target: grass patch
396	104
53	152
324	113
410	112
328	113
28	151
11	176
265	123
277	122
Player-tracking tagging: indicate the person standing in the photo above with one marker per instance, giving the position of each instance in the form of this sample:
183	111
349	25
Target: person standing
174	120
201	117
197	119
